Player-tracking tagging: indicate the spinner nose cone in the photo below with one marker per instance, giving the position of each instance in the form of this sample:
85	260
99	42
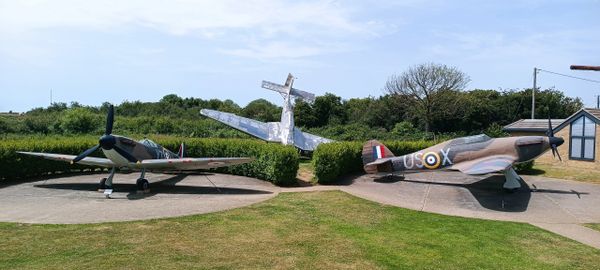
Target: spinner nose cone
107	142
558	141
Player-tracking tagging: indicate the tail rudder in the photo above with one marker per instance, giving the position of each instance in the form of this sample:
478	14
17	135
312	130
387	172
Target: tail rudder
372	151
181	151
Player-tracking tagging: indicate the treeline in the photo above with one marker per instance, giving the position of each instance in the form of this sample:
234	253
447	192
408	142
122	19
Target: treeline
386	117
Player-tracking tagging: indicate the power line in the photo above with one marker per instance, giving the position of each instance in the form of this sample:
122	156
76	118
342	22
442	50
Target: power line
565	75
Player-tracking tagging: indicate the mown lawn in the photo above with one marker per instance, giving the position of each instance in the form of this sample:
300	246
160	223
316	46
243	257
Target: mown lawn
595	226
562	172
315	230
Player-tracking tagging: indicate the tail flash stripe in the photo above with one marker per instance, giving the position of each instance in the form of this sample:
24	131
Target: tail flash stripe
378	152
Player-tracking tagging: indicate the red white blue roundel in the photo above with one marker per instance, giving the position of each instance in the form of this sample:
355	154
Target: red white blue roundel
431	160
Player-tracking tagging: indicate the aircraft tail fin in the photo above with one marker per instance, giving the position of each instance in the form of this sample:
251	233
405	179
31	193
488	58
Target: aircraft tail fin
181	151
375	157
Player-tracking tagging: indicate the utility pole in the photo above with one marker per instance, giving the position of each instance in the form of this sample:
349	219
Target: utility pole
535	71
50	96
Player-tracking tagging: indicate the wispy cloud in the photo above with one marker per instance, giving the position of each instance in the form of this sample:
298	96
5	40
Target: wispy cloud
271	25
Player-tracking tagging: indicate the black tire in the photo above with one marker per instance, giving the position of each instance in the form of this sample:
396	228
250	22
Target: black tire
102	183
143	184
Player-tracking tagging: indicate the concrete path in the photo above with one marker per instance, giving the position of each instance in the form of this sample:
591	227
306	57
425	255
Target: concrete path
75	199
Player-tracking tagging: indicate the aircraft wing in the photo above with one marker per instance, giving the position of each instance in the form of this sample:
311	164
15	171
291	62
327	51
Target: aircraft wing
189	163
261	130
91	161
307	141
490	164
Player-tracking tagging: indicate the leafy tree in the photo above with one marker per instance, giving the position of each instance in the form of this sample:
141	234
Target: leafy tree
262	110
329	110
425	89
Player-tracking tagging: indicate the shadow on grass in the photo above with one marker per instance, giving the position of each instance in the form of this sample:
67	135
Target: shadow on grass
533	171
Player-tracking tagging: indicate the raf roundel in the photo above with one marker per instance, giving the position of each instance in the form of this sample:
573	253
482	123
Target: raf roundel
431	160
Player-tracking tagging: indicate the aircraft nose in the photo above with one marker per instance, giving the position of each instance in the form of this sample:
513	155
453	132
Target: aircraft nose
107	142
558	141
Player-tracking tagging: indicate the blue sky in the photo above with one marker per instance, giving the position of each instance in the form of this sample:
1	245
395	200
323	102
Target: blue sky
96	51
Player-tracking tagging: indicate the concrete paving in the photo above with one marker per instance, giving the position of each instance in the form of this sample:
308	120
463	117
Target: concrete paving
75	199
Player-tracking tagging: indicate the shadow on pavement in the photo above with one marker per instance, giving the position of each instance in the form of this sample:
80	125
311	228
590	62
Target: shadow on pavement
488	191
165	186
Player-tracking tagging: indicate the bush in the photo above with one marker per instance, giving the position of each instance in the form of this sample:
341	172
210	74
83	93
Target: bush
274	162
80	120
336	159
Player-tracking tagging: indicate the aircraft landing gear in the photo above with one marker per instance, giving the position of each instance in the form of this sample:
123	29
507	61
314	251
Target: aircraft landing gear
512	180
106	184
143	186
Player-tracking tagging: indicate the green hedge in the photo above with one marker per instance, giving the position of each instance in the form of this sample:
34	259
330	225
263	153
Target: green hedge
274	162
333	160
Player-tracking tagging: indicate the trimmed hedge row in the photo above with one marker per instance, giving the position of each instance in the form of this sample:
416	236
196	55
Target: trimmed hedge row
336	159
274	162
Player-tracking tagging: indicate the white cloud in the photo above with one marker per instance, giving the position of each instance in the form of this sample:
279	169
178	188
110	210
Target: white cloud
267	24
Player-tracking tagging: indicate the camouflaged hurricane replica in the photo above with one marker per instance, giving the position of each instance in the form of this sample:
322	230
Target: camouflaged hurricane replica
125	153
474	155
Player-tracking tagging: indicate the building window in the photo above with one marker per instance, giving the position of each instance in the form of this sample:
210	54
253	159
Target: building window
583	139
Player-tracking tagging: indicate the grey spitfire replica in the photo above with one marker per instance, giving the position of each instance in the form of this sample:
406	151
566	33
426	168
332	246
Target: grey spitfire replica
122	152
284	131
473	155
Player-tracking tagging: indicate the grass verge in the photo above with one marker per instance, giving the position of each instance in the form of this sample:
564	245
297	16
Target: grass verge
314	230
595	226
563	172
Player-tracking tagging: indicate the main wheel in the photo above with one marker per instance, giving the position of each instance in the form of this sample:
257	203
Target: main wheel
102	185
143	185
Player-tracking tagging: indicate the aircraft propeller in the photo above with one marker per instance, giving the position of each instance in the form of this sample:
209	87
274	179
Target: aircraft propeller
554	141
107	141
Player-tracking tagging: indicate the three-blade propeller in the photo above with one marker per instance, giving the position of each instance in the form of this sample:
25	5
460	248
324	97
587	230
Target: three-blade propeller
107	141
554	141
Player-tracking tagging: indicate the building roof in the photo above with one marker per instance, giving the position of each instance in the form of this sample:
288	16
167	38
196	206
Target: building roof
533	125
541	125
592	113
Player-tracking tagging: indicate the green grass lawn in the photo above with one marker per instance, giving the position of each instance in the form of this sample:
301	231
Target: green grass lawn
314	230
595	226
562	172
306	171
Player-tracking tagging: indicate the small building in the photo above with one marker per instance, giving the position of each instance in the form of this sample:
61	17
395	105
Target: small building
579	132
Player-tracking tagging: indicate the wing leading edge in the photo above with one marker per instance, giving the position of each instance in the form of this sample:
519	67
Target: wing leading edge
484	165
91	161
152	164
266	131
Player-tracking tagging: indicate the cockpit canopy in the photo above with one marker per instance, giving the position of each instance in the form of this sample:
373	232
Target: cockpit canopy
149	143
471	139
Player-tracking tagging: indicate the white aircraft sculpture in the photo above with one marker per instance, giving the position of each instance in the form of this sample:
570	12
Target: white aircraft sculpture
284	131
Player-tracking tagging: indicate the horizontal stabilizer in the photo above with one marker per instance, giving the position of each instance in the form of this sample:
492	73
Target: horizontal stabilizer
284	90
266	131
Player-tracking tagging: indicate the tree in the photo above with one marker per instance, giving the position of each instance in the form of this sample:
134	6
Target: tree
426	87
329	110
262	110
